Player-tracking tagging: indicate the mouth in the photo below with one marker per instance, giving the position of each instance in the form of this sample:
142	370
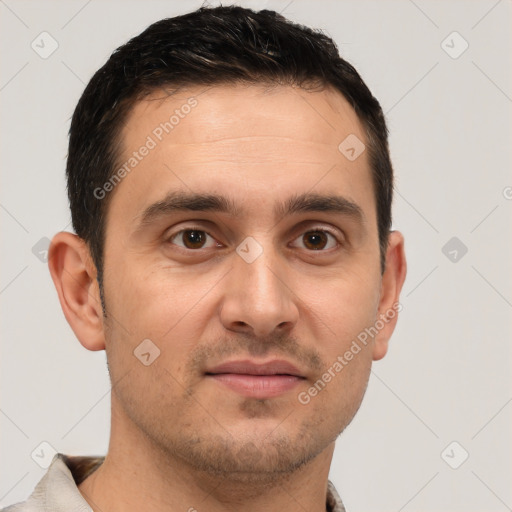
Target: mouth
257	380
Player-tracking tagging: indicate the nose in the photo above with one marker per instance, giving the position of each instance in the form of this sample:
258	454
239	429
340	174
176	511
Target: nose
259	298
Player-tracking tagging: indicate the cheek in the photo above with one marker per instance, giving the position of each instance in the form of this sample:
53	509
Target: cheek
151	298
170	308
150	397
343	307
334	398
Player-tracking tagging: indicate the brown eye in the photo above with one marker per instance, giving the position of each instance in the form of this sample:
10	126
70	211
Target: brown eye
192	239
317	240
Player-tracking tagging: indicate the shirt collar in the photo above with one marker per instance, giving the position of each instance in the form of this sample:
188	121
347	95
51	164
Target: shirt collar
58	490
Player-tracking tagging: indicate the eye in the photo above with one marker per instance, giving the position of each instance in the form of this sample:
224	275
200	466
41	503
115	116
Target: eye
317	240
193	239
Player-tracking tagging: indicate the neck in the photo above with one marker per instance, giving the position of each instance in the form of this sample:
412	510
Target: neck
136	475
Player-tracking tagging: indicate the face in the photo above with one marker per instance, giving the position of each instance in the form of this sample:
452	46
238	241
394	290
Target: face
243	244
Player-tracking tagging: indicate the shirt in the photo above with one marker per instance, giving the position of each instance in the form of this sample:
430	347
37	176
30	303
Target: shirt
58	490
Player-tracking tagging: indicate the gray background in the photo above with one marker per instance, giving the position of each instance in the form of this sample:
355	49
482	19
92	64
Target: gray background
447	375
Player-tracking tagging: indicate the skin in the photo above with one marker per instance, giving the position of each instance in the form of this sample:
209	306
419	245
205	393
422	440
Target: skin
180	439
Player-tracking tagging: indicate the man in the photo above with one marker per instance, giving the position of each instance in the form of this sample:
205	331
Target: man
230	188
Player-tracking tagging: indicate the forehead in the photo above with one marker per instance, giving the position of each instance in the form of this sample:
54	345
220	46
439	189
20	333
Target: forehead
251	140
318	116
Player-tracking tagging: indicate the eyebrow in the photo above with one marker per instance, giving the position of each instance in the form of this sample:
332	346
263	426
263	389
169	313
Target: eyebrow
197	202
310	202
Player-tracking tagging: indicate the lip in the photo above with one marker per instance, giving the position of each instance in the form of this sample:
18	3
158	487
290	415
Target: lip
246	367
257	380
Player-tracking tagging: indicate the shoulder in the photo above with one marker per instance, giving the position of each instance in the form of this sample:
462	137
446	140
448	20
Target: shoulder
58	490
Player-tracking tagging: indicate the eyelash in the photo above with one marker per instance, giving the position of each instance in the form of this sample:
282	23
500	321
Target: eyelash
313	230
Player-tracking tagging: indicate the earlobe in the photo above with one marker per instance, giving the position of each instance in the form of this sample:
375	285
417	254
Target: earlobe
389	304
74	276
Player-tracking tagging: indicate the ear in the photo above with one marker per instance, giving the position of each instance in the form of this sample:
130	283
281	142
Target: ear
74	275
391	286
